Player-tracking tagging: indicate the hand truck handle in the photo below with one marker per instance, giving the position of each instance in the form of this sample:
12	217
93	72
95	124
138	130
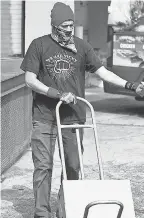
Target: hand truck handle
94	203
76	126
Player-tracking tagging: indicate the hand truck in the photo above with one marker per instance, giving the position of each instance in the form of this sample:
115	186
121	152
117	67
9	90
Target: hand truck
67	184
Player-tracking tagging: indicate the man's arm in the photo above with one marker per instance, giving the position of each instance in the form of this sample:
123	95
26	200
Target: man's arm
110	77
37	86
33	83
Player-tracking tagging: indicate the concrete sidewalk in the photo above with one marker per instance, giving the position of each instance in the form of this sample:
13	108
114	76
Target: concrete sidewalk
17	190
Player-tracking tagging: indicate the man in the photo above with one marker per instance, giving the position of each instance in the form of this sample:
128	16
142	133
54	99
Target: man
55	68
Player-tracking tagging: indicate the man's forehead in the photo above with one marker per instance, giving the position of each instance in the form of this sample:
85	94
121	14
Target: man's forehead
68	22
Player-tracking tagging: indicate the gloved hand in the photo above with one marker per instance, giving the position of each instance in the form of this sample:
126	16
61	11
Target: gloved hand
68	97
136	87
140	90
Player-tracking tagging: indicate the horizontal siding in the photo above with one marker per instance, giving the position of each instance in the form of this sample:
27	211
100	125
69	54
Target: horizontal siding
5	29
11	29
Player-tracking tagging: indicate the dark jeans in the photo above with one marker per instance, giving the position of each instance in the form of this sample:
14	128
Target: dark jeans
43	146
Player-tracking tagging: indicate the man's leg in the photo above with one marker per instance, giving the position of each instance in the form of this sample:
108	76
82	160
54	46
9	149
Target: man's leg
43	145
71	160
71	153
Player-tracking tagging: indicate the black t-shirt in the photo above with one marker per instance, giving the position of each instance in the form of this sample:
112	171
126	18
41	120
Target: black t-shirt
62	69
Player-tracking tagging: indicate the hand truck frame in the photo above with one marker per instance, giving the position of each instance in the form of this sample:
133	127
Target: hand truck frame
61	148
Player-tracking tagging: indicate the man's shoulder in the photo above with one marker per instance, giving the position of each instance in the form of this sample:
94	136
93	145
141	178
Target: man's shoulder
43	42
42	38
81	42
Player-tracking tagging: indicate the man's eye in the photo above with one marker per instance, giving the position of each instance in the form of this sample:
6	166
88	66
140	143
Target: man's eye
71	26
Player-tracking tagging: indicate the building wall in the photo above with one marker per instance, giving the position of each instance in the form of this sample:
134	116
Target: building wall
15	96
5	28
38	18
11	28
81	16
93	16
15	119
98	23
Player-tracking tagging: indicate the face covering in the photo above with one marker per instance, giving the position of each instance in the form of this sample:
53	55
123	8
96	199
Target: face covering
63	35
64	38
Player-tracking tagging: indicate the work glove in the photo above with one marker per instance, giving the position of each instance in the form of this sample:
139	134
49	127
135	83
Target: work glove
138	88
68	97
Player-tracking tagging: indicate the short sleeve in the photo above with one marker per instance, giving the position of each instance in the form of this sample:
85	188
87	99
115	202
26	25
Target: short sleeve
93	62
31	61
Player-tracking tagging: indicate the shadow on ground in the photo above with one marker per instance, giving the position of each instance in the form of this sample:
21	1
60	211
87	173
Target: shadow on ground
17	199
119	105
20	202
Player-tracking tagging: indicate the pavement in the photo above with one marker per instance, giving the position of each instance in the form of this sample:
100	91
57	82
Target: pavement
120	122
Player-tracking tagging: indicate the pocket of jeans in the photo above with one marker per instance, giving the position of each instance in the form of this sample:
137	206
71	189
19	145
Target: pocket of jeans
45	128
35	123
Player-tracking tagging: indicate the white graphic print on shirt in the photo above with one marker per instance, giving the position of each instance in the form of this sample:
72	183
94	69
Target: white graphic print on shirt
61	66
